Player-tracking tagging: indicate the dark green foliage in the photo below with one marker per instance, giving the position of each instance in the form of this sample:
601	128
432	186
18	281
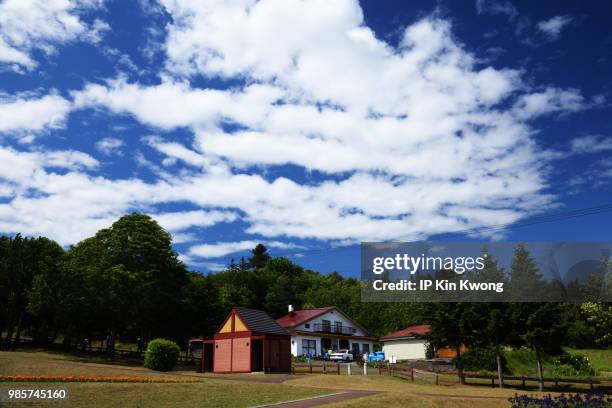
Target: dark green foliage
483	359
161	355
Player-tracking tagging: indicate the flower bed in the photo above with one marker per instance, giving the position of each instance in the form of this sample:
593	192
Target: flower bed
86	378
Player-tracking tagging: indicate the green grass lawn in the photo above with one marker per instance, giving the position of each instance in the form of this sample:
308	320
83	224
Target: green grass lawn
210	390
208	393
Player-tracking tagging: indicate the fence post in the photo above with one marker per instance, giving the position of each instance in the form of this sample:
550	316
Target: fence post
556	383
310	366
437	382
523	378
349	368
412	373
293	368
324	372
338	365
591	382
492	382
389	369
379	368
365	368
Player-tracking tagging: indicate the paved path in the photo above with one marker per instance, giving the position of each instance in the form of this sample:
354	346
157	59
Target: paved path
321	400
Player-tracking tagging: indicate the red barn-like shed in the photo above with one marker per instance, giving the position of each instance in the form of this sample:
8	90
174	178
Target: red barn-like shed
248	340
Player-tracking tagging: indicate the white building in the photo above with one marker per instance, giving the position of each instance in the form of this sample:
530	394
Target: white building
316	330
406	344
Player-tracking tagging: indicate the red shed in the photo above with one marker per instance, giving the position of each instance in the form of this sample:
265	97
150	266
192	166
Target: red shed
248	340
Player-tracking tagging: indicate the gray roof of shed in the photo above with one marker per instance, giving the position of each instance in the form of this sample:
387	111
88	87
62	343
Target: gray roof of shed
259	321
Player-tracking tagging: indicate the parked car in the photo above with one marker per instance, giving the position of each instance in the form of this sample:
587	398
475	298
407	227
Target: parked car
377	356
341	355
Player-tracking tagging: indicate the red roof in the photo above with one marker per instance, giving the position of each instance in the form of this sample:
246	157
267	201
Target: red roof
301	316
411	331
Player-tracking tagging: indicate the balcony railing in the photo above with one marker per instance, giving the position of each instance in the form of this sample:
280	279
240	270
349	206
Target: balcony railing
330	328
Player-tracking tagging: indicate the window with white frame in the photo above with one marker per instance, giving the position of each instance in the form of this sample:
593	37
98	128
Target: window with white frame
309	347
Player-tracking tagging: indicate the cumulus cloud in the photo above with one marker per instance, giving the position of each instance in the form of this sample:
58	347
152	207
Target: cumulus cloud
19	114
406	141
28	25
181	220
552	27
110	146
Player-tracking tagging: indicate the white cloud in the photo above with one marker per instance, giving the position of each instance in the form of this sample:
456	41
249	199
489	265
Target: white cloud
552	27
221	249
551	100
110	146
591	144
28	25
178	221
495	7
406	141
32	114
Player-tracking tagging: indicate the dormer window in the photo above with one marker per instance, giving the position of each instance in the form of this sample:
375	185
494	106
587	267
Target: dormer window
307	325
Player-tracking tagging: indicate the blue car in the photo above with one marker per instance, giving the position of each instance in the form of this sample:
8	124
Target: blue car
377	356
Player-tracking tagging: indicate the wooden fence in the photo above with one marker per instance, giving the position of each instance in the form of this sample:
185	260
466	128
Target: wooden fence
317	367
442	379
183	359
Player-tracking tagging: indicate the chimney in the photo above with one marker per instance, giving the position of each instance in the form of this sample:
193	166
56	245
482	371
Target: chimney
291	311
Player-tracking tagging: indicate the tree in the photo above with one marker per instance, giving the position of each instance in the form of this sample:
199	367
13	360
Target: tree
451	326
543	329
491	328
526	283
260	257
143	249
491	319
599	318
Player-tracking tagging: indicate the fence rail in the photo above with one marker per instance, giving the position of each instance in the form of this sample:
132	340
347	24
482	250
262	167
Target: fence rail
183	359
325	368
441	379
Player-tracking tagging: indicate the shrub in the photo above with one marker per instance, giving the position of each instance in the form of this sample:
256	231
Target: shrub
567	365
482	359
161	355
299	359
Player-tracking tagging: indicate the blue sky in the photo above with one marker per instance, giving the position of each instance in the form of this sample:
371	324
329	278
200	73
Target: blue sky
306	127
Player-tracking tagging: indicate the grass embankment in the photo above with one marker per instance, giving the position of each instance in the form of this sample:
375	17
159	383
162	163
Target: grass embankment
523	362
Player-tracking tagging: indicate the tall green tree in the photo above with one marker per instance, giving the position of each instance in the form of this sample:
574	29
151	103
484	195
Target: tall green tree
543	329
526	282
451	326
259	256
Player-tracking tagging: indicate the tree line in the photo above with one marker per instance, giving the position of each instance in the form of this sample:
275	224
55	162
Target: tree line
126	282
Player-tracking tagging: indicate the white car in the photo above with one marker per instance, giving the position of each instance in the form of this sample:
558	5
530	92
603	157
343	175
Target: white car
341	355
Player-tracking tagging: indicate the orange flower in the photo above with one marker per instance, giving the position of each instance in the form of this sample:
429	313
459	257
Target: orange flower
84	378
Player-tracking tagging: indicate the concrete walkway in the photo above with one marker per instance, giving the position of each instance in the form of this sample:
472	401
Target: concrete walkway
321	400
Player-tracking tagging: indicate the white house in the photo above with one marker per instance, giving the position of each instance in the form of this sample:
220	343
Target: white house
316	330
406	344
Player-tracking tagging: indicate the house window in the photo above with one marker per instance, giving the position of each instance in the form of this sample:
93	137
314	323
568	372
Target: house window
309	347
307	325
355	349
326	325
365	348
337	327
